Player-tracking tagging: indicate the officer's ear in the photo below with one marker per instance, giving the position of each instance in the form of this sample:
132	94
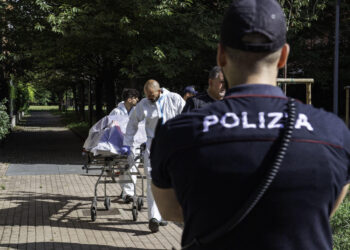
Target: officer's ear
284	56
221	59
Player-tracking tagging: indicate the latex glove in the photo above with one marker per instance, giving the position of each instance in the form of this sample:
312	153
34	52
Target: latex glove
125	150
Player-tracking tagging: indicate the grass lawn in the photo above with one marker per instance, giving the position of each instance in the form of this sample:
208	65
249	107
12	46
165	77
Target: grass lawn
43	108
341	226
71	121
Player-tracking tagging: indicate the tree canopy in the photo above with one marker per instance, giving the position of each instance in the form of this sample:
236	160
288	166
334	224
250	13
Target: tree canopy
61	45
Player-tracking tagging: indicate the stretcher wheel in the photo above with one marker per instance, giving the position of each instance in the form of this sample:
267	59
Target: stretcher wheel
139	203
107	203
93	213
134	213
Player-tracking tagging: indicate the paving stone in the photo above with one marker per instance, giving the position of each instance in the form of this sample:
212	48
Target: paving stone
52	211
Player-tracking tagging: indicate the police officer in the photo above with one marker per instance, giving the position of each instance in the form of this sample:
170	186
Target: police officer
215	92
232	143
159	104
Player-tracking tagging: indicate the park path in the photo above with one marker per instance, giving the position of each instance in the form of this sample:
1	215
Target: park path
41	138
50	210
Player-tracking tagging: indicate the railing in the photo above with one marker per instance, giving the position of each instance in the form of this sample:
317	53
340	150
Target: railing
283	82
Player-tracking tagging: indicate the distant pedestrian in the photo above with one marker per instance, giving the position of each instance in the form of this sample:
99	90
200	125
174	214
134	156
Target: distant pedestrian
215	92
188	92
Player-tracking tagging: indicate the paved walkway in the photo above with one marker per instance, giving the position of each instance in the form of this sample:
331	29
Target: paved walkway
52	211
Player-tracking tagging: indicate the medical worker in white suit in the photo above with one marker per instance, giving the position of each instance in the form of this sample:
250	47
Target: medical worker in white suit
130	99
158	104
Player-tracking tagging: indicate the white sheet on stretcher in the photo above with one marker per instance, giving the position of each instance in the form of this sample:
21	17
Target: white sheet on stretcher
106	136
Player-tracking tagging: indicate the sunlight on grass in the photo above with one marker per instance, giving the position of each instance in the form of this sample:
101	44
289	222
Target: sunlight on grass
43	108
70	120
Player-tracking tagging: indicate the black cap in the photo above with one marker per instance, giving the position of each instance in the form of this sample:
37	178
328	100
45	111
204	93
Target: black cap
244	17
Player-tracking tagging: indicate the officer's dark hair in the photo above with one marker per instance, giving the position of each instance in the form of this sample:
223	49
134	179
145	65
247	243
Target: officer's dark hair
130	93
214	72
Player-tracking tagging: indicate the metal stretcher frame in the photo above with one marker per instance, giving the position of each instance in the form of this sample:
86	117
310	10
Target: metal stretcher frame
113	166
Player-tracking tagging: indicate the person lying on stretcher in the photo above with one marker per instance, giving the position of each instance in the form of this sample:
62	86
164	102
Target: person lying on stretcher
106	137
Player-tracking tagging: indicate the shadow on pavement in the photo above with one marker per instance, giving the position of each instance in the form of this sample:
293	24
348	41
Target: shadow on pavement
38	118
61	245
57	210
42	140
47	147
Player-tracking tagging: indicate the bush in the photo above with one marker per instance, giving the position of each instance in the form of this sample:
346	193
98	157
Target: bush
22	96
4	120
341	226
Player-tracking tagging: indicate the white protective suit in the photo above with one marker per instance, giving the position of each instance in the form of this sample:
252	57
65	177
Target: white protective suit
128	188
167	106
120	110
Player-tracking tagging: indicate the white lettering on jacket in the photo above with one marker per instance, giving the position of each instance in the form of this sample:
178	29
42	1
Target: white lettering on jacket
269	121
245	122
303	122
277	116
209	121
261	119
234	118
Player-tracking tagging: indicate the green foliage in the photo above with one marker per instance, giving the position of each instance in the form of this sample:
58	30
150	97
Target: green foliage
41	96
302	13
31	92
58	44
341	226
24	95
4	120
167	39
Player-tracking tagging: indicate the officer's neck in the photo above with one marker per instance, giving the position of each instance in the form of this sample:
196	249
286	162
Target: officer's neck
264	77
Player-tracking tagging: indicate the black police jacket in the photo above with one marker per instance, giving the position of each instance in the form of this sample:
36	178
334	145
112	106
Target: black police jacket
215	157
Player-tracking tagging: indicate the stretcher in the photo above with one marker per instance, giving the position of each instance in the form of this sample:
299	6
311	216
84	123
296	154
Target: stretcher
112	167
102	152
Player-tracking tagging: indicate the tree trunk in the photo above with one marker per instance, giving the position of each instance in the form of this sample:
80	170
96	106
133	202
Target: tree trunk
4	90
91	106
81	93
98	98
60	101
75	98
109	91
